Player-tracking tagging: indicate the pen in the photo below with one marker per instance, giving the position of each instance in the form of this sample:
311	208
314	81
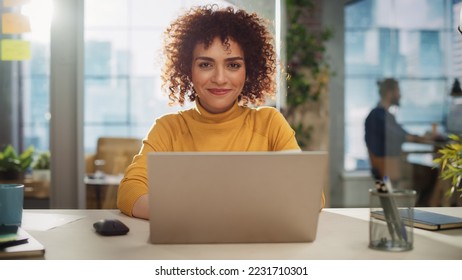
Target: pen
399	226
380	186
388	185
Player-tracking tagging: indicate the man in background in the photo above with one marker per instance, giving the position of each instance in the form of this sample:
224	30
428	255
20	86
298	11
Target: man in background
384	135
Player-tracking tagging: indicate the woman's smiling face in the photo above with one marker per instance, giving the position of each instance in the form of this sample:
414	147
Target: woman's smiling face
218	74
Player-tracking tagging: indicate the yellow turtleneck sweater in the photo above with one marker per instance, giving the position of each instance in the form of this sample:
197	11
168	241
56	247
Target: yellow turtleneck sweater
238	129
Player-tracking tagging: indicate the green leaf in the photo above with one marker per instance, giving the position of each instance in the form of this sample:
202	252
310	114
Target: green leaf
10	161
454	137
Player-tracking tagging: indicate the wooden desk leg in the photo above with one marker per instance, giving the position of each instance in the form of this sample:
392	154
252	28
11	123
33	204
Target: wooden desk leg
98	196
424	180
438	197
93	196
110	197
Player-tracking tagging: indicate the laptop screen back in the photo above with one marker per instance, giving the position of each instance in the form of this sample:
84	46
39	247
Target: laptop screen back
235	197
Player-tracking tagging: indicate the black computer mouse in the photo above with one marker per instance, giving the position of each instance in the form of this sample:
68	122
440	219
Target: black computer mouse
110	227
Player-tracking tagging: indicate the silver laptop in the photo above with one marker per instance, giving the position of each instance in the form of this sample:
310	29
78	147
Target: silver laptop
235	197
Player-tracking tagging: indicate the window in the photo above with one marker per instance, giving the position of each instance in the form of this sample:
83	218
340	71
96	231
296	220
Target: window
33	76
406	40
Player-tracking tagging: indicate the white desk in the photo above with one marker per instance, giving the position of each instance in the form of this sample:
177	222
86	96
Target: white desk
107	179
342	234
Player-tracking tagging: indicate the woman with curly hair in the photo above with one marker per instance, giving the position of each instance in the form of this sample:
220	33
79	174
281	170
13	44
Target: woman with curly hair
223	60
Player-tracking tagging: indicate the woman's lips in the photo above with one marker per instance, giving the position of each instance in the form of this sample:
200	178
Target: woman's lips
219	91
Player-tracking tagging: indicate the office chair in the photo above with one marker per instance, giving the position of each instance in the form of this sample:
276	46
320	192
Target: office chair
112	157
114	154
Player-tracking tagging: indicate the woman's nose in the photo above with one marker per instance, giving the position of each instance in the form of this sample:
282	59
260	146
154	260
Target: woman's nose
219	76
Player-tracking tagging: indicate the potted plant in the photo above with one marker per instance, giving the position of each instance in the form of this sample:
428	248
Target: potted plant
41	167
450	161
12	165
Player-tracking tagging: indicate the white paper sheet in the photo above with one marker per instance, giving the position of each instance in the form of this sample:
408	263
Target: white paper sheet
45	221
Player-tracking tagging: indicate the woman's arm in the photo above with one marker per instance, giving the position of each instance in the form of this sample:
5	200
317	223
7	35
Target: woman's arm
132	195
141	207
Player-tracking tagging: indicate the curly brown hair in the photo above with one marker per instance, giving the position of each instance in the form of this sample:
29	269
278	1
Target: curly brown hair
203	24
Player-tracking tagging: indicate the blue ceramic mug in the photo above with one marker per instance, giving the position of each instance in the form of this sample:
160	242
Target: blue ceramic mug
11	204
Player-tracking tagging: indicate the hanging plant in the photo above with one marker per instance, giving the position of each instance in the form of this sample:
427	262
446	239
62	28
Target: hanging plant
307	69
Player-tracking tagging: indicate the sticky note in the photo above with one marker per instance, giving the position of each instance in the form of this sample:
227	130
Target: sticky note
15	23
14	49
13	3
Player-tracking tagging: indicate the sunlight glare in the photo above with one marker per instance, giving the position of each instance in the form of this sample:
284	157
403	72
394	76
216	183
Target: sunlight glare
40	14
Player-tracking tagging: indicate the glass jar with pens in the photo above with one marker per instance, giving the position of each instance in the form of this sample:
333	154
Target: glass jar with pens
391	216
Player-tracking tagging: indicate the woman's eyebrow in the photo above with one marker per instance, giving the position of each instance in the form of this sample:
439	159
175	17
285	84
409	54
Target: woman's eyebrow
234	58
226	59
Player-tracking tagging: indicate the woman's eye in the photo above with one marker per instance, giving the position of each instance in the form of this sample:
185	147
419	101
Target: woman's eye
234	65
205	65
